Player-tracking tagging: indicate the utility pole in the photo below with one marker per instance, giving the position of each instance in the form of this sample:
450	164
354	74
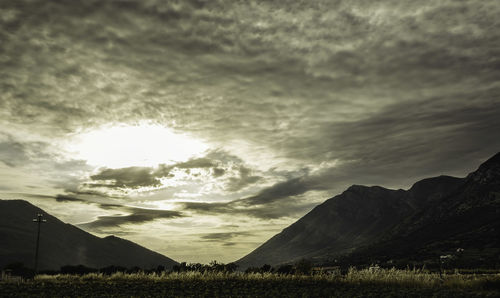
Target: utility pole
39	220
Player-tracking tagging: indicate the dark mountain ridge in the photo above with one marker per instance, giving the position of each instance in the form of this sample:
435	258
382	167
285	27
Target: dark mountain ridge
64	244
367	224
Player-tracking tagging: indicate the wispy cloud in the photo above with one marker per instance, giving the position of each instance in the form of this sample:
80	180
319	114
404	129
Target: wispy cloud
223	236
131	177
134	216
295	99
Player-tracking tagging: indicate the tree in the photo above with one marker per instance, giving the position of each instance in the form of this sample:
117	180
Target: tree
266	268
303	267
286	269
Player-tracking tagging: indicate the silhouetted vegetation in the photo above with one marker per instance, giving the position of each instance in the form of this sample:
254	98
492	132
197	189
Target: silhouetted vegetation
18	269
218	279
371	282
213	266
303	267
286	269
266	268
79	270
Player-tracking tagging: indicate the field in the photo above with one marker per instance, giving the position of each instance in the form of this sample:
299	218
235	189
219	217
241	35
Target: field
356	283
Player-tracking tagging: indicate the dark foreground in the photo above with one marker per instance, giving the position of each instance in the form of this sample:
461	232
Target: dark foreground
255	285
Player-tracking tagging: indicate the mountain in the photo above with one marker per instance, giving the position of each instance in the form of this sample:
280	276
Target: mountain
64	244
435	216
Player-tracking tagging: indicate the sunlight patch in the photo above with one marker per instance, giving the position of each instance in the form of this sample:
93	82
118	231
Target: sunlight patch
146	145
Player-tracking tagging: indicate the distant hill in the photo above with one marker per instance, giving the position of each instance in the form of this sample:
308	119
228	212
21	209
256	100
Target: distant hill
64	244
436	216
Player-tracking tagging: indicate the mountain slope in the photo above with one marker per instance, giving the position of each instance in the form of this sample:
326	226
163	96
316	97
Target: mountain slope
467	217
348	220
371	223
63	244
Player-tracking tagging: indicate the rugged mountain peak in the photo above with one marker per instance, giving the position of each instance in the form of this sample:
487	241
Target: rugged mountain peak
429	184
356	187
493	161
364	190
435	216
357	216
432	189
488	172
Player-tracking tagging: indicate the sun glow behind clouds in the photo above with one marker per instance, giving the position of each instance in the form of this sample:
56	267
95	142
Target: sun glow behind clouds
120	146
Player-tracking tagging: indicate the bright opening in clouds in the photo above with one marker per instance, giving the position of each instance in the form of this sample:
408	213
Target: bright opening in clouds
146	145
247	113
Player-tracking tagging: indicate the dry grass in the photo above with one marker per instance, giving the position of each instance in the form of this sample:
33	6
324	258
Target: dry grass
407	278
356	283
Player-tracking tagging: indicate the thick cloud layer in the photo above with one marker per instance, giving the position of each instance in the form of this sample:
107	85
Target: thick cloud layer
296	100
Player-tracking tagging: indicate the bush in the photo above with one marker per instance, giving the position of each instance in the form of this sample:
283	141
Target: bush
112	269
303	267
285	269
266	268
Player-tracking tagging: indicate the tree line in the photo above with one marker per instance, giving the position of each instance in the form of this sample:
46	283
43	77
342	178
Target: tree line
301	267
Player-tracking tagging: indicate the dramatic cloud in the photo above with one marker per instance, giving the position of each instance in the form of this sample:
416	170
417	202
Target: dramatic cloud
65	198
138	177
244	179
281	190
223	236
135	216
291	208
131	177
217	172
14	153
196	163
293	102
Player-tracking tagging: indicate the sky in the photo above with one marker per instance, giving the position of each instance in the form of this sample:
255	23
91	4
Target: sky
200	129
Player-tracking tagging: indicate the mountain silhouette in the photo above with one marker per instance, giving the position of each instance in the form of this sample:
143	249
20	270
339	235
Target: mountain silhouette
64	244
363	224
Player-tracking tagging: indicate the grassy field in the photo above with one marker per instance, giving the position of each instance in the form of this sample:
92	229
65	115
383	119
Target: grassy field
356	283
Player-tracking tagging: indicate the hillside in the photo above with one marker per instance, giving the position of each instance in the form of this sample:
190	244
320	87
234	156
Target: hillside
64	244
372	224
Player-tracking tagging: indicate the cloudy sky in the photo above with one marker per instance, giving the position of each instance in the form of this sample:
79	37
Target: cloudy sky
201	128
